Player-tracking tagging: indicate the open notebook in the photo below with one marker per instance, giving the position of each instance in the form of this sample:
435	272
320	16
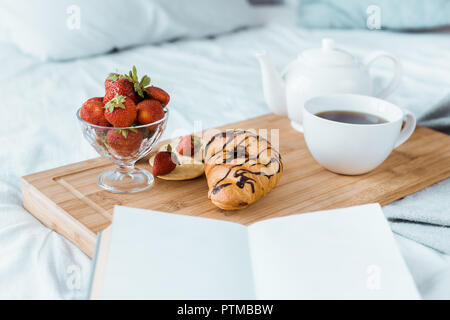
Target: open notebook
338	254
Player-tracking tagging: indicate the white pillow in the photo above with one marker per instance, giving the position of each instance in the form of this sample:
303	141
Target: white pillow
67	29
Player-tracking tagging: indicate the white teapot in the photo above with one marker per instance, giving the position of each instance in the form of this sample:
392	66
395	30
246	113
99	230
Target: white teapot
317	72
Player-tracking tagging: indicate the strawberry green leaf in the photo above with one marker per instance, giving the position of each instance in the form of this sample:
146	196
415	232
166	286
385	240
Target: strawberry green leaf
139	90
169	148
135	77
115	76
123	132
145	81
116	102
139	86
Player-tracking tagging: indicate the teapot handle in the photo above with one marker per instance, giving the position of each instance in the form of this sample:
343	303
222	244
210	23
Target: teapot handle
398	71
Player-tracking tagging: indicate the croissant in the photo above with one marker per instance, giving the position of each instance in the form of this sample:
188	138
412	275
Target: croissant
240	167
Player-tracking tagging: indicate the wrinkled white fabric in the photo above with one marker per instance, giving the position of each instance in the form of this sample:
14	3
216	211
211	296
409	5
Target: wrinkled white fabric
68	29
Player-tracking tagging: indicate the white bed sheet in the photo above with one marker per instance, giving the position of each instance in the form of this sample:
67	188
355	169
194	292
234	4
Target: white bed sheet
216	81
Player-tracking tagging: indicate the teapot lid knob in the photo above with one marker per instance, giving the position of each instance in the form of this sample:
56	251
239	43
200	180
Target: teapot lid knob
327	44
328	55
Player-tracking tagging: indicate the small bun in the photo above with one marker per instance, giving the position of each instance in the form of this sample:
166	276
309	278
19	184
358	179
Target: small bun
240	167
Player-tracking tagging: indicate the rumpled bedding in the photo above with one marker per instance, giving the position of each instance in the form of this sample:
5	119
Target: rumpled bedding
215	81
438	116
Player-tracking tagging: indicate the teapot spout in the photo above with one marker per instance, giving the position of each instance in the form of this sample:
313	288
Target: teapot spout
273	85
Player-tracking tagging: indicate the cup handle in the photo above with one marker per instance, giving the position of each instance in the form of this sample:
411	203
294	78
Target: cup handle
408	129
398	71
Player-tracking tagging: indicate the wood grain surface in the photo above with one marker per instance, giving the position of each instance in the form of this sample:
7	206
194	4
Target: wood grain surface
69	201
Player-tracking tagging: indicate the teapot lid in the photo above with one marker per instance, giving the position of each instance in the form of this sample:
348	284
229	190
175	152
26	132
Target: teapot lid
328	55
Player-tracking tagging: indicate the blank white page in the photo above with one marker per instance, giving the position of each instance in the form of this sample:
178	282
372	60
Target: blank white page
156	255
340	254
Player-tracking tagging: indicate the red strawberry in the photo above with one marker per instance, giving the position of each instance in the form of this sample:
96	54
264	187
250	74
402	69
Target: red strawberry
149	111
112	77
164	162
127	85
123	87
92	111
120	111
188	145
124	142
158	94
96	99
108	84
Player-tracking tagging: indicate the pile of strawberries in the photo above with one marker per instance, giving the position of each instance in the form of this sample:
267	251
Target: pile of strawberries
127	102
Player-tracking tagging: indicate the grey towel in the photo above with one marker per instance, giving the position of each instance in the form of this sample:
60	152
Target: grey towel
438	117
425	216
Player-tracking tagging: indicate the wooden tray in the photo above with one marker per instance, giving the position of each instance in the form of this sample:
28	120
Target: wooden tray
68	200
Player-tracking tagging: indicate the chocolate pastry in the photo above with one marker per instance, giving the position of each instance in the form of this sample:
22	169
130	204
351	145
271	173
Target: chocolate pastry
240	168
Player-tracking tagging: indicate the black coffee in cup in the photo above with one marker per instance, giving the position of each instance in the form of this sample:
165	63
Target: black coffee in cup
351	117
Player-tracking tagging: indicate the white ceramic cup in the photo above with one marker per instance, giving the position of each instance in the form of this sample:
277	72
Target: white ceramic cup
354	148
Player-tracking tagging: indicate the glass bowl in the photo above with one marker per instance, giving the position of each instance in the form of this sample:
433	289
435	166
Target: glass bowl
124	146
